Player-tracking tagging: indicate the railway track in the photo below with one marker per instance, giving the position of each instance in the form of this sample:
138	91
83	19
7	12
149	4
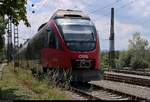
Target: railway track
143	73
95	92
127	78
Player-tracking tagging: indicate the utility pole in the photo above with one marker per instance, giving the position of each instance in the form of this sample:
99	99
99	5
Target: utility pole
111	42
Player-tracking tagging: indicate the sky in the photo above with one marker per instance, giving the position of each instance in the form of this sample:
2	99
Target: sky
130	16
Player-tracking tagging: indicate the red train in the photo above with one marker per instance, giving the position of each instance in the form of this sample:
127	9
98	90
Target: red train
68	42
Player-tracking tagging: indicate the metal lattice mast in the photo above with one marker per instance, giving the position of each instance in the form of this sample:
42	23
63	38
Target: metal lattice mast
16	38
9	39
16	46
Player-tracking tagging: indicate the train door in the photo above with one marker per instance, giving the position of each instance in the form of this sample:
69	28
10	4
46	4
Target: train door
54	46
50	52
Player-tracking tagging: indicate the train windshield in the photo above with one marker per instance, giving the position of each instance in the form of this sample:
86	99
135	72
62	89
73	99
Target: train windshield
79	34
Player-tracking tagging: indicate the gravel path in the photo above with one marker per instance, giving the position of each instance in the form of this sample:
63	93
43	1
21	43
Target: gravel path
1	70
74	96
140	91
11	90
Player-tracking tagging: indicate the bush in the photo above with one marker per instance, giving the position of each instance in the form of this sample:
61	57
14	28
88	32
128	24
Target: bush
124	59
104	62
138	63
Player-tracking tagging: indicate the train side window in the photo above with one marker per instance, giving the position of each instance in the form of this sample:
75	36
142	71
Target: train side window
49	32
54	41
57	42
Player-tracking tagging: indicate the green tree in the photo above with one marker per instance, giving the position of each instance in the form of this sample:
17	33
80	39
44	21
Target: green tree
137	55
14	9
147	55
138	48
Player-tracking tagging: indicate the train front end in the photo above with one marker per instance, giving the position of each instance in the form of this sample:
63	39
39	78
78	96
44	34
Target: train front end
81	46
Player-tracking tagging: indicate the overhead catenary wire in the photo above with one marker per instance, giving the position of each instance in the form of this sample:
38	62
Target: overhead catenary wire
125	5
119	8
106	6
111	4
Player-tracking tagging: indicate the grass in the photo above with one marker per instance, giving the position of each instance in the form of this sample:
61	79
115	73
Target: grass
22	85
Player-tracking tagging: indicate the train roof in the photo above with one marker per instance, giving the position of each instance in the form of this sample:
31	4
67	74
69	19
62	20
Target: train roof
41	26
69	13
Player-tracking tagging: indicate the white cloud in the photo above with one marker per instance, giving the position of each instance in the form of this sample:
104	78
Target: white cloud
141	7
123	30
35	20
41	4
59	4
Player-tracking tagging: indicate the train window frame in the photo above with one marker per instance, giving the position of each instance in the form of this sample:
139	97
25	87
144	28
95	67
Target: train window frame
53	40
68	43
49	32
